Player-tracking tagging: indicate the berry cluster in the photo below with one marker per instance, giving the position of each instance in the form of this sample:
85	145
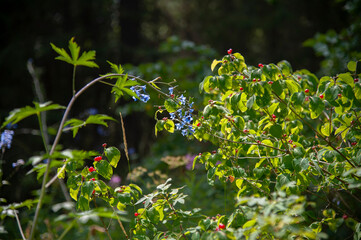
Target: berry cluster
144	97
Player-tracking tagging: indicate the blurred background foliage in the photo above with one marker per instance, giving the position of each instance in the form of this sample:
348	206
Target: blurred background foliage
175	39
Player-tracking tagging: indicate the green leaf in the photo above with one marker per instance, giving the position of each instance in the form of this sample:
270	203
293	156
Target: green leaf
170	105
346	78
276	130
19	114
169	126
84	60
327	129
277	88
87	189
317	106
298	98
351	66
113	155
214	64
82	204
76	124
104	169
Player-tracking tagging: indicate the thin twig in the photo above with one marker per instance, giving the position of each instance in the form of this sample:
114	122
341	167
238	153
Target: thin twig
19	225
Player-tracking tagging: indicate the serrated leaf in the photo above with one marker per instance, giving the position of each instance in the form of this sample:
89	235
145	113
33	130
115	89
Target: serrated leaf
84	60
113	155
19	114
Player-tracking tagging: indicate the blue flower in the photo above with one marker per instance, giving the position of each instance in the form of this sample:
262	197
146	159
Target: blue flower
138	90
6	138
171	90
144	97
191	104
182	99
179	111
179	126
185	132
191	130
172	115
187	119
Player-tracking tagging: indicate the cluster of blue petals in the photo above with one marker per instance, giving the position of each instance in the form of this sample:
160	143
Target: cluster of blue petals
184	115
140	91
6	139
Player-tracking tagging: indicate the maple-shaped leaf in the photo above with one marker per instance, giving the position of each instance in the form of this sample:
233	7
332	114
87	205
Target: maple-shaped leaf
86	58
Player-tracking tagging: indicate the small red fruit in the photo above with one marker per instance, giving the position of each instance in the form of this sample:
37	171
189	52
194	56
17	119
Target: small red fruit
254	80
294	146
245	130
98	158
198	124
290	141
355	80
273	116
270	82
104	145
354	143
92	169
136	214
221	226
172	96
307	90
339	95
260	65
321	96
344	216
307	98
241	88
229	51
93	192
258	141
92	179
214	152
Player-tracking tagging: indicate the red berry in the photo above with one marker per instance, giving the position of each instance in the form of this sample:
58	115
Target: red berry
270	82
339	95
355	80
273	116
241	88
307	98
92	179
290	141
299	77
307	90
93	191
104	145
258	80
245	131
198	124
284	135
229	51
354	143
91	169
258	141
221	226
344	216
172	96
260	65
321	96
214	152
199	154
98	158
294	146
136	214
254	80
236	150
